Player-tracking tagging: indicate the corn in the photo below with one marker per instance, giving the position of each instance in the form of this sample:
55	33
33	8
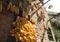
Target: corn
46	27
28	10
9	6
33	20
34	8
16	10
25	15
26	32
20	5
1	7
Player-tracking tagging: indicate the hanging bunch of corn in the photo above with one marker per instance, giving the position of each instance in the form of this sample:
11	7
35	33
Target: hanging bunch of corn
24	30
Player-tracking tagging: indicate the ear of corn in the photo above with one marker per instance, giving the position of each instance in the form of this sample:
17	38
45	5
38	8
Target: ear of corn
28	10
16	10
25	15
12	9
45	27
33	20
9	6
20	5
1	7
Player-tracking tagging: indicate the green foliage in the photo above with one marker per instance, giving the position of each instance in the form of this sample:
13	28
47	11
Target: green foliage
56	28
